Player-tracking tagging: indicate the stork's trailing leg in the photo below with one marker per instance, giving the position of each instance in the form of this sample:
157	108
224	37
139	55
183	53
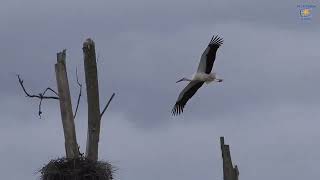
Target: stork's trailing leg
218	80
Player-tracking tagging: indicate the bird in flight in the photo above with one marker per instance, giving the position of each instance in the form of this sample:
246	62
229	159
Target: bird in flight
203	75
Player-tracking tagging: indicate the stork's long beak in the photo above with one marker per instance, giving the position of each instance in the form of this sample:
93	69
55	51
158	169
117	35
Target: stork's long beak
180	80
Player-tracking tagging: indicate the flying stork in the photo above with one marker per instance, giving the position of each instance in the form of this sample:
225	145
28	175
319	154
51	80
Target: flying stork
203	75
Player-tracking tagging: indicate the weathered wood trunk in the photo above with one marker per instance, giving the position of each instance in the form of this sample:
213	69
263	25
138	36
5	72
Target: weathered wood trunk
229	172
71	145
90	67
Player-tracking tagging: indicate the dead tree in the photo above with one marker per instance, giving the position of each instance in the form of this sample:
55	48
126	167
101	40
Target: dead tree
75	165
229	172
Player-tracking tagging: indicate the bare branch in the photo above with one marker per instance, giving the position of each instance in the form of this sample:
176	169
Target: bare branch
40	96
80	92
105	108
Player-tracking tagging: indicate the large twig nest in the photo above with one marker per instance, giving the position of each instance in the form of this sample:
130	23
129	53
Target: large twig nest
76	169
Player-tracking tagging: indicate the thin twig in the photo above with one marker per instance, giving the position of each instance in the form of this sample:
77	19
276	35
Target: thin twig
44	92
40	112
98	57
105	108
80	92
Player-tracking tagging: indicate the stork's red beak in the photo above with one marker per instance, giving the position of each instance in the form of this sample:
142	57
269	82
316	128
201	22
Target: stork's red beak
180	80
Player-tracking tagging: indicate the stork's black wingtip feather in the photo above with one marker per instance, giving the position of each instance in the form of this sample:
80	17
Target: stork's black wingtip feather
177	110
216	40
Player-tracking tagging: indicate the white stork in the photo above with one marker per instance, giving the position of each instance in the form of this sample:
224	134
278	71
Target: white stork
202	75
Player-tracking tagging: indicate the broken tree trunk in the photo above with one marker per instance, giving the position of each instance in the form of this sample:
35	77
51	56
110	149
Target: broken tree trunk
90	67
71	145
229	172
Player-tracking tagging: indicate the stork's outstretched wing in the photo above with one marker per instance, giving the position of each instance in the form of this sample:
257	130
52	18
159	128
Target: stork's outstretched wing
209	55
185	95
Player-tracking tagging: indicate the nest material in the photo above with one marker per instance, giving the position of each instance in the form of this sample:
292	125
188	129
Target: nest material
76	169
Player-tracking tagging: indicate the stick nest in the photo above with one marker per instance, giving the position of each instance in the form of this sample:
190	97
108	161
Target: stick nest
76	169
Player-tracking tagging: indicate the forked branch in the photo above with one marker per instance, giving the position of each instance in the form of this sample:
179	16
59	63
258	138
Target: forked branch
40	96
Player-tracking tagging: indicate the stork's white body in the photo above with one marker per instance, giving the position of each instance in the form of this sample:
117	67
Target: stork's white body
207	78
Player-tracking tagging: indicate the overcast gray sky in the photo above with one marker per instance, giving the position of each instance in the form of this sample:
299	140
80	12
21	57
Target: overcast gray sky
267	107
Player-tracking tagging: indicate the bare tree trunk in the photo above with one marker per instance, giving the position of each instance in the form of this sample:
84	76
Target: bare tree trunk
90	67
229	172
71	145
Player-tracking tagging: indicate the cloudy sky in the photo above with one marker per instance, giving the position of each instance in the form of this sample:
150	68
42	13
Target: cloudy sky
267	107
